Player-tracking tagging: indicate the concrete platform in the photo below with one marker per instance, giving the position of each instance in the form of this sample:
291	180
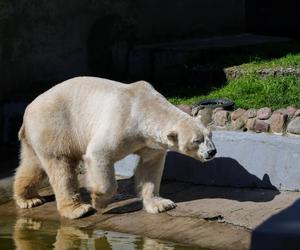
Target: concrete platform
208	217
220	203
244	159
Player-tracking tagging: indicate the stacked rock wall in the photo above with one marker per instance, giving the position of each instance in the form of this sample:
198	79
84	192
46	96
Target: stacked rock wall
282	121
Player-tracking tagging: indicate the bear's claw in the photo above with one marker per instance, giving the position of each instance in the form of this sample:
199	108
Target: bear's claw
29	203
157	205
77	212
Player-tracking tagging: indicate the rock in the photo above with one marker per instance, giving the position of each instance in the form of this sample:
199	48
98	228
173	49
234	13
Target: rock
251	113
250	124
282	111
261	126
238	123
195	110
185	108
277	122
221	118
291	111
297	113
294	126
237	113
217	109
264	113
205	115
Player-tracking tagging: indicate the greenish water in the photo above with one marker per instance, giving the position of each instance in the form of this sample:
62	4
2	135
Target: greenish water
27	233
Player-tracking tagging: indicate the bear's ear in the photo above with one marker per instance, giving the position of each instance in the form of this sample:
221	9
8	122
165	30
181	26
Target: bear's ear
172	138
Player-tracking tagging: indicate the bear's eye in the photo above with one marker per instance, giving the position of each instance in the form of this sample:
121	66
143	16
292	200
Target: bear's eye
197	141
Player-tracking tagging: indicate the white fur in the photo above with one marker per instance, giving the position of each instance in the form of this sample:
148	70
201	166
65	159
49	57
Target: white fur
102	121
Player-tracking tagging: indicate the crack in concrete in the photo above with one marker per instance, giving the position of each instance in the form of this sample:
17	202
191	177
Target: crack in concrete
213	221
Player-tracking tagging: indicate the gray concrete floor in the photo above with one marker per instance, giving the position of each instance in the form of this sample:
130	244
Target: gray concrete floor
208	217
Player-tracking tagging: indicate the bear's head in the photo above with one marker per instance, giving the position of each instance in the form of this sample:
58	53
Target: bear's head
191	138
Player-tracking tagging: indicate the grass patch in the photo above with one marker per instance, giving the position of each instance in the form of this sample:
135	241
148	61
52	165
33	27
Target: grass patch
288	61
250	90
253	92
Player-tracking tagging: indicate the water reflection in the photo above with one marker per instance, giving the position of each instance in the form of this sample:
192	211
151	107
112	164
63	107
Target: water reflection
31	234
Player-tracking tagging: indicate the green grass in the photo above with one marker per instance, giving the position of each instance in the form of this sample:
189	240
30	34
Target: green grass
252	91
290	60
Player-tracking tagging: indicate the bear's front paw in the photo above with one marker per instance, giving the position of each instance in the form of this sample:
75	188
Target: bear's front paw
76	211
29	203
156	205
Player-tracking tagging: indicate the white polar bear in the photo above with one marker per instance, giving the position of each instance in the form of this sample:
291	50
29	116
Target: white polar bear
101	122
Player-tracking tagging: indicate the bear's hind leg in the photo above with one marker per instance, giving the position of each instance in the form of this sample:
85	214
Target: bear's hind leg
63	179
147	180
29	176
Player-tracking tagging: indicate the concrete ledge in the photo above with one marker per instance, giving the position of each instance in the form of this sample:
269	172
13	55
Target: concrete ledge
243	160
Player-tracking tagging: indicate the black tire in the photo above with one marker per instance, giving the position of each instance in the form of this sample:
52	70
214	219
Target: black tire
215	103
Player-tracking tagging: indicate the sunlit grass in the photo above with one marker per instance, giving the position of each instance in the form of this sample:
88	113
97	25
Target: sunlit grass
253	91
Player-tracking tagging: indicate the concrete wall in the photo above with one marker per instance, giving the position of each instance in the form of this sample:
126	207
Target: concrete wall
280	18
243	160
43	42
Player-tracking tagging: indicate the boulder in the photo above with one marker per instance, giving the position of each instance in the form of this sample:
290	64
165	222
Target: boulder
277	122
264	113
238	124
251	113
217	109
261	126
250	124
291	111
237	113
221	118
282	111
205	115
297	113
294	126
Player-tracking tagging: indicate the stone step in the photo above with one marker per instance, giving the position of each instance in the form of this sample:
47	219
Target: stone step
238	71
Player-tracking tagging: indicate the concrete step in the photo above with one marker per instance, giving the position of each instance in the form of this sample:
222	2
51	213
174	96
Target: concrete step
239	71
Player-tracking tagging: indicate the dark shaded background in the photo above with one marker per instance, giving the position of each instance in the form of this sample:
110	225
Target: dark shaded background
44	42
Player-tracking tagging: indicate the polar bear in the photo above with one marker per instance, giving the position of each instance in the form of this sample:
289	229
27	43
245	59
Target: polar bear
100	122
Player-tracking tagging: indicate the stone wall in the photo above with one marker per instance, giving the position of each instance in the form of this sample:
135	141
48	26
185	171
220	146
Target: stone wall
44	42
273	17
282	121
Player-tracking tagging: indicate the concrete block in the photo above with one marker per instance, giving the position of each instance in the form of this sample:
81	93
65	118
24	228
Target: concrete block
243	160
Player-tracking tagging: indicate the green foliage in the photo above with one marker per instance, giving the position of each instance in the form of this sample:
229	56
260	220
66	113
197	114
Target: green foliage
253	91
290	60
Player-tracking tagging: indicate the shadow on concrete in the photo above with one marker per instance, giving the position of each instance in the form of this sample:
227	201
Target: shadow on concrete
197	192
222	171
281	231
126	208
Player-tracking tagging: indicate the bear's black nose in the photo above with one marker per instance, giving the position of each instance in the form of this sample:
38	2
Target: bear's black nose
212	152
